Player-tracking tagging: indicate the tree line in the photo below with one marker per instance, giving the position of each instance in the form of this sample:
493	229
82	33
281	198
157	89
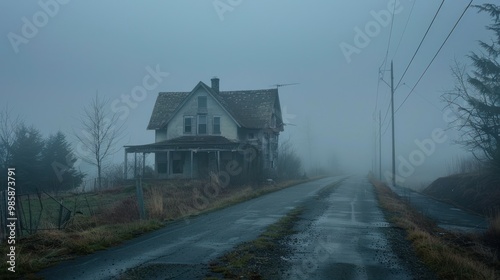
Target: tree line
41	163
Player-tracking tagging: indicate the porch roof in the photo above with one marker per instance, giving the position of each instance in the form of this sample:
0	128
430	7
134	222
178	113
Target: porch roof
187	142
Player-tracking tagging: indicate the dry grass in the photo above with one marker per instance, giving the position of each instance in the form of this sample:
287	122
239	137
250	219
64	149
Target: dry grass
448	254
48	247
117	219
155	206
172	200
492	235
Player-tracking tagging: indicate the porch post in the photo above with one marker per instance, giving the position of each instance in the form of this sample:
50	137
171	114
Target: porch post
191	164
143	163
218	161
168	163
125	166
135	165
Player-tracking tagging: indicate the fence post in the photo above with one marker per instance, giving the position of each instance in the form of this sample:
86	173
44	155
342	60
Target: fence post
140	199
60	214
20	216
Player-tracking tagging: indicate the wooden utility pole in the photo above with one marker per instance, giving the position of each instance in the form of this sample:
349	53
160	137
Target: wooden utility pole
393	141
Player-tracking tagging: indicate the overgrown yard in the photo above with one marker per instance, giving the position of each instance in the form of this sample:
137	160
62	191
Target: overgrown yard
104	219
451	255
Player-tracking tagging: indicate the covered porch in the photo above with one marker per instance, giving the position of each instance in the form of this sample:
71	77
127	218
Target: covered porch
188	157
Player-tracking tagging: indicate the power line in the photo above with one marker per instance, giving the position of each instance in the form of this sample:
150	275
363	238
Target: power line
378	87
421	42
386	113
404	29
441	47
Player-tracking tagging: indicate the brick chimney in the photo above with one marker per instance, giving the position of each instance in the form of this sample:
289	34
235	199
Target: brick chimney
215	84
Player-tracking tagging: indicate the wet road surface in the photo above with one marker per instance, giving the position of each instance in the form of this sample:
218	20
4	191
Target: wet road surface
343	236
178	250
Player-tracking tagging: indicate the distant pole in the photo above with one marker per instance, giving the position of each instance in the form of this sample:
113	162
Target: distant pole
393	141
379	145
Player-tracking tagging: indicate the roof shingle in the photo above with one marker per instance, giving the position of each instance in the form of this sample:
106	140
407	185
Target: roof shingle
250	108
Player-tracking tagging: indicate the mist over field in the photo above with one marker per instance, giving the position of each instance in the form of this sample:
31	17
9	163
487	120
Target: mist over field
56	55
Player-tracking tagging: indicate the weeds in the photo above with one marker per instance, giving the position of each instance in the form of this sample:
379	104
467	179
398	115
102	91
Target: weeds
451	256
492	235
110	217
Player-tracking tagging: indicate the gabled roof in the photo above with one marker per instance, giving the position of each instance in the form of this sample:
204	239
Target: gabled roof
252	108
166	104
249	108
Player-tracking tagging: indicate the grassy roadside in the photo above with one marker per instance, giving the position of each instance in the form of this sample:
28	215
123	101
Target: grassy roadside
251	259
450	255
118	220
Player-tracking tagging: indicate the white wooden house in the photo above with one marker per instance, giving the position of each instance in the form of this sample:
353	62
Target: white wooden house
207	130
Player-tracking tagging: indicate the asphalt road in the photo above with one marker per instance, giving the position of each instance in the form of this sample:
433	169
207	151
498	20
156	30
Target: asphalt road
178	250
345	236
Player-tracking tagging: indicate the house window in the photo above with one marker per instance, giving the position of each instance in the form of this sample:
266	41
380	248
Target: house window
202	102
202	124
188	124
216	125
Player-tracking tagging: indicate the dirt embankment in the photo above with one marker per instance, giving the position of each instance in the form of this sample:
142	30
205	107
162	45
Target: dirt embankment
477	192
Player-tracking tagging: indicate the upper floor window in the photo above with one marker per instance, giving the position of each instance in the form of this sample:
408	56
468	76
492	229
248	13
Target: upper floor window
202	124
188	124
216	125
202	102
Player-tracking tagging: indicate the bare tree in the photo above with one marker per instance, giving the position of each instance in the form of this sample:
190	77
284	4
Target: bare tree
8	127
289	165
99	135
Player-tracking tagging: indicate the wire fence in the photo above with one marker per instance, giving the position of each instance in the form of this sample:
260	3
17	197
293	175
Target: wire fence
41	210
36	211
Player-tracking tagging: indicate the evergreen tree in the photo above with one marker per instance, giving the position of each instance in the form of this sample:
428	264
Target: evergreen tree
57	161
27	158
476	96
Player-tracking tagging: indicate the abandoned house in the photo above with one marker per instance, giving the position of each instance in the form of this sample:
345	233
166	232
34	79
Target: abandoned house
207	130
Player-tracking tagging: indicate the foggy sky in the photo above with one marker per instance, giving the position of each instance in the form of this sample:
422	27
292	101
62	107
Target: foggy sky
106	46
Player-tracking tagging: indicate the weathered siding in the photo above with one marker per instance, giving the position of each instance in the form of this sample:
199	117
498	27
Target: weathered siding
175	127
160	135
